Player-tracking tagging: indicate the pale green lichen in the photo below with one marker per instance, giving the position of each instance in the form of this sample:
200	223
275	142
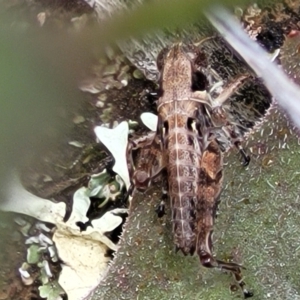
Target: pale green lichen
116	141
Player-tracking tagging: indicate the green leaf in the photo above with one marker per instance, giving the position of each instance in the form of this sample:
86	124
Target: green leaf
257	222
51	291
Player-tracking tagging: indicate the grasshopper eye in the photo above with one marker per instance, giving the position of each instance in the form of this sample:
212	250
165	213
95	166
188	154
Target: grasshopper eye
191	124
165	132
165	129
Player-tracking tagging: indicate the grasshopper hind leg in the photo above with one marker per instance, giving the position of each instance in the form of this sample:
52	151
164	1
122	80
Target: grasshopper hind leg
208	261
204	251
235	269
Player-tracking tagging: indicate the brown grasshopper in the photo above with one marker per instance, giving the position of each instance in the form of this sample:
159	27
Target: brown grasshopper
192	127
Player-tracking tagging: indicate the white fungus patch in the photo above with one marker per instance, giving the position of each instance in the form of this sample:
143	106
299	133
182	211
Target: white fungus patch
150	120
116	140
